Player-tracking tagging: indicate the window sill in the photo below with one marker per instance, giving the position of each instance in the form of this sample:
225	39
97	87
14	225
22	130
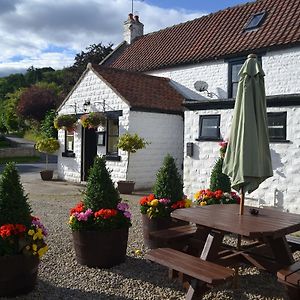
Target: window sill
113	157
205	139
68	154
280	141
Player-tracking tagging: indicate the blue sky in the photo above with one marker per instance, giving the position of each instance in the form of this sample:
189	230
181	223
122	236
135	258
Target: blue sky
44	33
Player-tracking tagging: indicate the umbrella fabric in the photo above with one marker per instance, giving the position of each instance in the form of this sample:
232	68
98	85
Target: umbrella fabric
248	160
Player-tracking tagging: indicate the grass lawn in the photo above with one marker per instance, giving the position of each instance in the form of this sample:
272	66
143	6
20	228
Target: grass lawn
19	159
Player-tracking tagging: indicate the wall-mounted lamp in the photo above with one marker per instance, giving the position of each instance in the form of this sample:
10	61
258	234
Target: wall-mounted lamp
189	149
86	105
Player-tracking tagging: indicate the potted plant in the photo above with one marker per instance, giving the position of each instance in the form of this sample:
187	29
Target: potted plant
92	120
22	237
47	146
167	196
220	185
66	122
100	222
129	143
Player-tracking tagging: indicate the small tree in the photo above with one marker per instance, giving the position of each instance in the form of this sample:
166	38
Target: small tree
218	180
14	208
168	181
131	143
47	146
100	192
47	125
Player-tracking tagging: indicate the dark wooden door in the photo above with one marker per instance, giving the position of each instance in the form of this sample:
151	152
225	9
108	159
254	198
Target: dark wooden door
89	151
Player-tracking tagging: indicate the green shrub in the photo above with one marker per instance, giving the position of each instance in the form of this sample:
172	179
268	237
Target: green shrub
168	181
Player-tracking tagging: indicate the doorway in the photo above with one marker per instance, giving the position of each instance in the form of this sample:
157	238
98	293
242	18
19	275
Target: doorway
88	151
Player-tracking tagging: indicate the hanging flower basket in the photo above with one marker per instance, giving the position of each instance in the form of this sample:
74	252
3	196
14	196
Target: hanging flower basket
93	120
66	122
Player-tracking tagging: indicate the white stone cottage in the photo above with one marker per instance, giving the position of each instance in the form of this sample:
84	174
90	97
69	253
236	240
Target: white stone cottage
131	102
211	49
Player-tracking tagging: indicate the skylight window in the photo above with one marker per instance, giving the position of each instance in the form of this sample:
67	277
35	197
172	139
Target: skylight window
256	21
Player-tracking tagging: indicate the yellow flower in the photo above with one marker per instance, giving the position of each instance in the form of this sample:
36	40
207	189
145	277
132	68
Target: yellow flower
30	232
197	194
42	251
203	203
38	235
71	219
154	202
188	203
34	247
138	252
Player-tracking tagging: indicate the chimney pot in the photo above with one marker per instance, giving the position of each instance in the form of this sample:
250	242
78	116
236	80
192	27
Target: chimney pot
136	18
130	16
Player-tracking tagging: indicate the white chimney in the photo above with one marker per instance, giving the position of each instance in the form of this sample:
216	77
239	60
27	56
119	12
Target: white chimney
133	28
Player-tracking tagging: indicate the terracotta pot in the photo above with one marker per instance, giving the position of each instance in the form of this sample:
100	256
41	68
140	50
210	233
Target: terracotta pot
18	274
46	175
126	187
100	249
157	224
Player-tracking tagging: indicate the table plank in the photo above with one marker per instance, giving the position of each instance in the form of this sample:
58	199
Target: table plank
227	219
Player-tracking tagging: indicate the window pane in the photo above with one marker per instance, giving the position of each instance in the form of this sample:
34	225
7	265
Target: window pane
113	127
235	72
209	126
277	126
112	145
234	89
70	142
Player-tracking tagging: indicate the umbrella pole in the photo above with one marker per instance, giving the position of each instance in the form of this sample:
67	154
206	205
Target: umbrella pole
242	201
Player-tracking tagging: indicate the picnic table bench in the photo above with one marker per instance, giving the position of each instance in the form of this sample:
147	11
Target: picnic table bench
290	278
202	274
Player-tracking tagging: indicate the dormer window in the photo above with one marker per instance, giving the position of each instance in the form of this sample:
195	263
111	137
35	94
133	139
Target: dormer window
255	21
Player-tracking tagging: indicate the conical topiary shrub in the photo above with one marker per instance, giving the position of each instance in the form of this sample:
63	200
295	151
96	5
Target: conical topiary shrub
100	192
14	208
100	222
168	181
218	180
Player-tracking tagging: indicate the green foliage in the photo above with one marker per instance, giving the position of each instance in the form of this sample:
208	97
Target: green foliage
218	180
47	145
47	125
92	120
100	192
65	122
131	143
14	208
168	181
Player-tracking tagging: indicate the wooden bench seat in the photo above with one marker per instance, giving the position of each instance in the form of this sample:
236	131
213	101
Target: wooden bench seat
294	242
203	274
290	278
174	233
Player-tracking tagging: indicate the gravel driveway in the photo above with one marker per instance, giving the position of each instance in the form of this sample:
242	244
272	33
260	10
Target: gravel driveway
60	277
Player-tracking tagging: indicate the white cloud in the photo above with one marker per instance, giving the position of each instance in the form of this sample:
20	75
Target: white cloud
29	27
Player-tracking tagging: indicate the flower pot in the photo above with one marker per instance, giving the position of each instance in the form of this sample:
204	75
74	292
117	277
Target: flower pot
155	224
18	274
126	187
46	174
100	249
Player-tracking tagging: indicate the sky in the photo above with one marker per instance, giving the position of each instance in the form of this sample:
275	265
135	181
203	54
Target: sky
49	33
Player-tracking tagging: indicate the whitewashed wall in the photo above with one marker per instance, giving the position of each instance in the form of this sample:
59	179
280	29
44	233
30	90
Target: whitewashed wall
282	69
165	133
91	88
282	190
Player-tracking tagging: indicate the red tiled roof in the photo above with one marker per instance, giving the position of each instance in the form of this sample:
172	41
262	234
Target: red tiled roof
214	36
141	91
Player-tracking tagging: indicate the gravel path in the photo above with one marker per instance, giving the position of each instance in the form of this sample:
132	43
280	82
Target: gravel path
60	277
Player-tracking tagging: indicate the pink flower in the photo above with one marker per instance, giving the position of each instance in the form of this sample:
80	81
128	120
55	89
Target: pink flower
122	206
164	201
127	214
83	216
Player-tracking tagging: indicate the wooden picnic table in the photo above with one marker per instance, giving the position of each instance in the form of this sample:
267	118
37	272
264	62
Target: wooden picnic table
268	228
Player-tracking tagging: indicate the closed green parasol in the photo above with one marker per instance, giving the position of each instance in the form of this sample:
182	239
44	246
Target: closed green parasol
248	160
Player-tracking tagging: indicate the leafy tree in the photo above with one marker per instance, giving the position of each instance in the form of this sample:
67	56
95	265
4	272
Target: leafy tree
100	192
218	180
95	54
47	125
36	101
11	120
14	208
168	181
